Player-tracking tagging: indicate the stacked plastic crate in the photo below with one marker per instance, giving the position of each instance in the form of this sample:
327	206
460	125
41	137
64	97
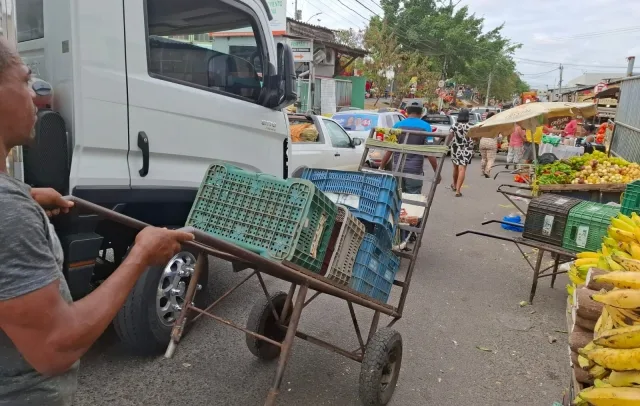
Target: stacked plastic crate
284	220
374	199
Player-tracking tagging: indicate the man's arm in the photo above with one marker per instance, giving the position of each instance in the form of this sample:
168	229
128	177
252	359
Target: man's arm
385	159
50	333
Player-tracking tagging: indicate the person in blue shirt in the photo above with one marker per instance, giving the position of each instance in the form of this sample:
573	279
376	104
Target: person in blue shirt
414	163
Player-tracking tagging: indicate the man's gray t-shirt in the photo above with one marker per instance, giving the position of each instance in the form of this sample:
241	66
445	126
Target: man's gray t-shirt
30	259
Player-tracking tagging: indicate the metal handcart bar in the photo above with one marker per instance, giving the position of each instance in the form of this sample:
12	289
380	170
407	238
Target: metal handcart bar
402	150
509	194
560	255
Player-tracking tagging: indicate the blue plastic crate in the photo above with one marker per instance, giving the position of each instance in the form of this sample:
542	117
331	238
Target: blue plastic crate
374	270
371	197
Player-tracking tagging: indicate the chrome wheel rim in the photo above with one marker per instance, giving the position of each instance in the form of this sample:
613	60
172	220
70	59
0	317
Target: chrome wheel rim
172	287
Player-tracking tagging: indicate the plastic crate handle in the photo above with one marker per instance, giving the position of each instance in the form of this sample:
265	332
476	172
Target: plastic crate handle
317	238
573	233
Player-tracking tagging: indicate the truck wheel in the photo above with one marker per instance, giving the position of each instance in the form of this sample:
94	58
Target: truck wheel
145	320
380	367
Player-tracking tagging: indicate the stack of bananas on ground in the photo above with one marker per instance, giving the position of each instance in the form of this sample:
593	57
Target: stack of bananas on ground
613	357
621	243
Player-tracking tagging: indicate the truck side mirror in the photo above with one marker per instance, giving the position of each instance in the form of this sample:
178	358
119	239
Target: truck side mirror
286	78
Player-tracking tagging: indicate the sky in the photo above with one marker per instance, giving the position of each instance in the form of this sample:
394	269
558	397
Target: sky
583	35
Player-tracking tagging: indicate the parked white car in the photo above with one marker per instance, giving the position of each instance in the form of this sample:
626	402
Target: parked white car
332	148
358	124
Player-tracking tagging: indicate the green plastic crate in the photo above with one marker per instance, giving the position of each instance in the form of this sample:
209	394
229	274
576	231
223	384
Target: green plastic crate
631	199
586	226
284	220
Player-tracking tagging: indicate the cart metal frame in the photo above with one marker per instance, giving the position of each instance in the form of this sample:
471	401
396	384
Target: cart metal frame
559	255
301	281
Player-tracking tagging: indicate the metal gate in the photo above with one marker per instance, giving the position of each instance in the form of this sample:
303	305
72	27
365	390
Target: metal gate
625	141
343	93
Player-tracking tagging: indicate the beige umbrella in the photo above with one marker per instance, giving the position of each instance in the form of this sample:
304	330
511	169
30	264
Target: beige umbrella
529	116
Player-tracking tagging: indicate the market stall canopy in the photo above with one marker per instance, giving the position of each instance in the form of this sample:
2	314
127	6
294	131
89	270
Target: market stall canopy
530	116
612	92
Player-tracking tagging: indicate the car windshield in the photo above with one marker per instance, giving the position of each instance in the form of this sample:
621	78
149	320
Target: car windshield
437	119
356	121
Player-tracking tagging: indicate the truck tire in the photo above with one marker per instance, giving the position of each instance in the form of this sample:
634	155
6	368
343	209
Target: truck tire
143	324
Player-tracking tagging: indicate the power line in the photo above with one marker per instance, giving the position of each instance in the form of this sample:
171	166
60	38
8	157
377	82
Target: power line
622	30
362	4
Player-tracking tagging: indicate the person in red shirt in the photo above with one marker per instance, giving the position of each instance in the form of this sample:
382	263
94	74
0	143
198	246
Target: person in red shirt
571	128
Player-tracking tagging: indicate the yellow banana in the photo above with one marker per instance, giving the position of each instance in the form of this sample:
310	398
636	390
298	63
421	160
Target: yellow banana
588	254
598	327
631	265
611	396
603	263
621	235
624	253
583	270
586	261
604	323
624	338
636	233
609	242
598	372
574	276
631	316
620	298
627	378
635	218
584	362
616	359
634	250
606	251
622	225
620	279
602	383
613	265
620	320
627	220
587	349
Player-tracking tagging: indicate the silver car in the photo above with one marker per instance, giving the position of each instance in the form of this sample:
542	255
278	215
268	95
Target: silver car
440	124
358	124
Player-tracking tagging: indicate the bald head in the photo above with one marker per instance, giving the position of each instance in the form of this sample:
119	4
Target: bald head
17	111
8	57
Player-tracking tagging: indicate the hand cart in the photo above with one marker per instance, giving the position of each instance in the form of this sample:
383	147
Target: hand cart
559	255
273	321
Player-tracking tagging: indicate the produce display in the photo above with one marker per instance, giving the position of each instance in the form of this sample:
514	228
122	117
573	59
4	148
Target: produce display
591	169
605	340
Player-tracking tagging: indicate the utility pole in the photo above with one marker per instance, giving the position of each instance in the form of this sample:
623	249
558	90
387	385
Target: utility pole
296	14
560	83
486	99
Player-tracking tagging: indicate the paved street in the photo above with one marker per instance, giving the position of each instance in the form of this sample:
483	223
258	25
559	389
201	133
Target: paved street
465	294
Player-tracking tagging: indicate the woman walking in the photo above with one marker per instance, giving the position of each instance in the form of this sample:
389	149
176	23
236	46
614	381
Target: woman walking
461	150
488	151
516	146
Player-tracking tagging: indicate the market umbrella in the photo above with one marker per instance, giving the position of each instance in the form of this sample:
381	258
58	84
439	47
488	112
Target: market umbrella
529	116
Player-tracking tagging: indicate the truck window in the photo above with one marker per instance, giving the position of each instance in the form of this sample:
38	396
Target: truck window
29	20
339	138
205	44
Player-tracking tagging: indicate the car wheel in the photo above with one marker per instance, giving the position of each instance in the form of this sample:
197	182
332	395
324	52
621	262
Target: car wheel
145	321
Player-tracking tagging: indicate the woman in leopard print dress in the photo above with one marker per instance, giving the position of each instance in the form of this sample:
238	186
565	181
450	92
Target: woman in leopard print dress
461	150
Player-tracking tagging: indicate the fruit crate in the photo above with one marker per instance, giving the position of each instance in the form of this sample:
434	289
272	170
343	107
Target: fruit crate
371	197
346	239
375	269
631	198
586	225
547	217
284	220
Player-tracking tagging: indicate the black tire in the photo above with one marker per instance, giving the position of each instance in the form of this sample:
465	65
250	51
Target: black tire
262	321
380	367
137	323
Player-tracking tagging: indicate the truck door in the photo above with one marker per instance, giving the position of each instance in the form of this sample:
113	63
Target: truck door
194	72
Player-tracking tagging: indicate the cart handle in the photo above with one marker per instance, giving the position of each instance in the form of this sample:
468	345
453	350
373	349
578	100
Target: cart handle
139	225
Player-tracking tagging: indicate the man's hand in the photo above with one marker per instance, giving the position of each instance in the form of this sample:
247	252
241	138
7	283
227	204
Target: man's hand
156	246
51	201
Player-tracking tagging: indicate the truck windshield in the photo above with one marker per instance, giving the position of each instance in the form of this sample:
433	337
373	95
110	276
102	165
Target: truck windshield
356	122
207	44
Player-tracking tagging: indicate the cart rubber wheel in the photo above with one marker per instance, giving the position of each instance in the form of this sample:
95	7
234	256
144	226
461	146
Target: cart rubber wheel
262	321
380	367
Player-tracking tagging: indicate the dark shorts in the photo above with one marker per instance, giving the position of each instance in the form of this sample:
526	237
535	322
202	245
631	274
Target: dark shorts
413	186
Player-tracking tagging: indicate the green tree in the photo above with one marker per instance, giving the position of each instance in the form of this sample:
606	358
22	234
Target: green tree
384	52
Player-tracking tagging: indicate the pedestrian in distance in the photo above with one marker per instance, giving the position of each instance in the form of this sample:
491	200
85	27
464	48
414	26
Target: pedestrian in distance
461	150
43	333
516	146
488	151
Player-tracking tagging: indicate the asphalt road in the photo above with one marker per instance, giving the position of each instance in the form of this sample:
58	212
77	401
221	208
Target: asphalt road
466	339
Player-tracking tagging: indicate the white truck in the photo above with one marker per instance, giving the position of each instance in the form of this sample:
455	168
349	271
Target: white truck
147	94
